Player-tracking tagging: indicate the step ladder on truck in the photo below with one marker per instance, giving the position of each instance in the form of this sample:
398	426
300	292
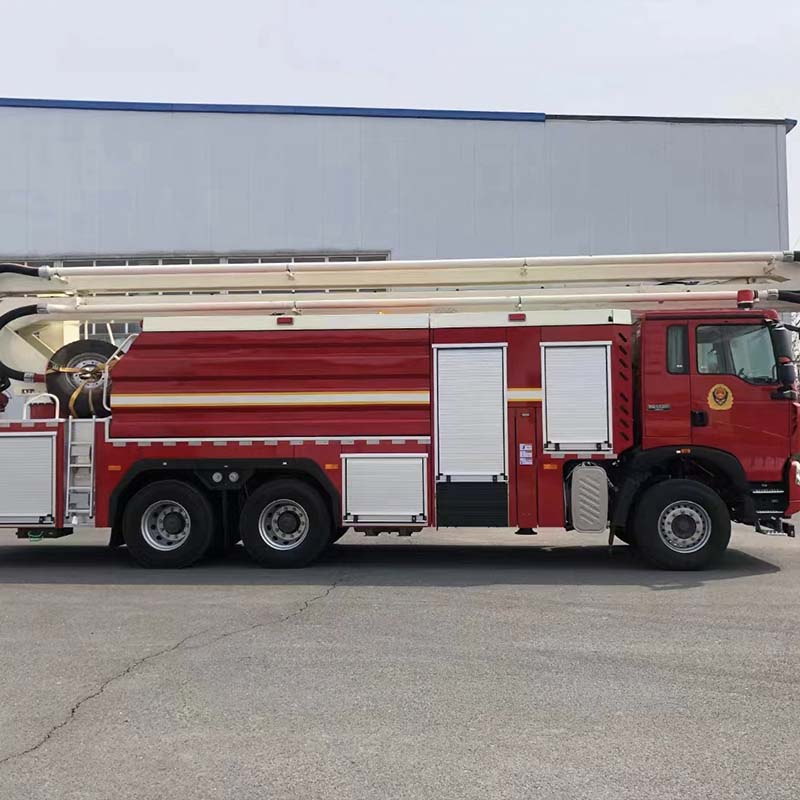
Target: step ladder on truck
652	398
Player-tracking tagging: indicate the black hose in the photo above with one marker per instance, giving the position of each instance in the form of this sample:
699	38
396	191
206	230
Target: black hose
787	296
8	268
10	372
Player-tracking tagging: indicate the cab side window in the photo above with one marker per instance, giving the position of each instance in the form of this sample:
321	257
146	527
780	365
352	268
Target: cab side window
742	350
678	349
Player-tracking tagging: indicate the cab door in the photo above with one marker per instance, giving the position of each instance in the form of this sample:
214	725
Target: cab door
665	381
733	377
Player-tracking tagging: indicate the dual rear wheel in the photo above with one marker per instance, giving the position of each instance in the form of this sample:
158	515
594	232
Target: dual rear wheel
172	524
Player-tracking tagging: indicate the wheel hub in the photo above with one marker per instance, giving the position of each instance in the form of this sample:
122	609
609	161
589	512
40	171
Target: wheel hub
173	523
288	522
684	526
283	524
166	525
89	370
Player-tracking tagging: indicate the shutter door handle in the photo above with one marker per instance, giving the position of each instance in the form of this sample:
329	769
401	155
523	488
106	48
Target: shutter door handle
699	419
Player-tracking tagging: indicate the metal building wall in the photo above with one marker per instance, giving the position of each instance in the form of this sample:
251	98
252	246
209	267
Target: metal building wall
112	182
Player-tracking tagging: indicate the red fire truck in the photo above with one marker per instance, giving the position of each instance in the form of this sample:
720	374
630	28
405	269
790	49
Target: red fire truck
251	419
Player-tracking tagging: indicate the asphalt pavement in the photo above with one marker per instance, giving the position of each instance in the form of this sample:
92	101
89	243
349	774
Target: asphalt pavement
470	664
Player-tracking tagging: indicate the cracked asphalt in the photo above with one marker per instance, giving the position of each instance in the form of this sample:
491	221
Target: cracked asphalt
474	664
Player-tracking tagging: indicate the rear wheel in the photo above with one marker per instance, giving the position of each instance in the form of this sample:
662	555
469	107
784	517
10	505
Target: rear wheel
681	524
168	524
285	523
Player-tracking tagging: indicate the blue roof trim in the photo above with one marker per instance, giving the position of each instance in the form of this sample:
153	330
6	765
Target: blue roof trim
354	111
326	111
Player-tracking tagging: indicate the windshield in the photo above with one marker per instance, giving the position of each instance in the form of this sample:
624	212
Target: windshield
742	350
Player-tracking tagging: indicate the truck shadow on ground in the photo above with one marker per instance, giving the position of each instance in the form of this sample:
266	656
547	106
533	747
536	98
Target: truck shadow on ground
375	565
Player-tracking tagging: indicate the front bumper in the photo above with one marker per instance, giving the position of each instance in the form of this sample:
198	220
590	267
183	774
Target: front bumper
793	507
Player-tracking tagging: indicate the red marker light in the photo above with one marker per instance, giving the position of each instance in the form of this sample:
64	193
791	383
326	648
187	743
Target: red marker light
745	298
285	320
517	316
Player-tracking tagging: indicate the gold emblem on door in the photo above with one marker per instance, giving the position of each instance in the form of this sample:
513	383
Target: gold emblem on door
720	397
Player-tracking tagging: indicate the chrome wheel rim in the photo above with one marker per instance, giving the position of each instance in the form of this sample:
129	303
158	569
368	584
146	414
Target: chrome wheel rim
90	374
166	525
684	527
283	524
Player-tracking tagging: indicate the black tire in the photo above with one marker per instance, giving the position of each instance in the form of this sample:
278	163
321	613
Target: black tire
337	534
296	527
84	353
698	525
155	549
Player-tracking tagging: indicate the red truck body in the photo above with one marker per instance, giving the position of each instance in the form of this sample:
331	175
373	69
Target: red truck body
442	420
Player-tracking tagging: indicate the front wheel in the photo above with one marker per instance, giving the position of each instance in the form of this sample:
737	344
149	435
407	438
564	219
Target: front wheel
285	523
681	524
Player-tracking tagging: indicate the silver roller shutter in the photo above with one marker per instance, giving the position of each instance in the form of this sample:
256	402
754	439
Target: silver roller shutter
471	413
388	488
577	413
27	478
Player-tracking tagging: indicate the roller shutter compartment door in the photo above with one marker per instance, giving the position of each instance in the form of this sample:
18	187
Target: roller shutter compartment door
577	412
471	413
27	478
385	489
471	479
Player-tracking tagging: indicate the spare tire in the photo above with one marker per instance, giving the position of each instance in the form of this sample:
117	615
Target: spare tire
75	375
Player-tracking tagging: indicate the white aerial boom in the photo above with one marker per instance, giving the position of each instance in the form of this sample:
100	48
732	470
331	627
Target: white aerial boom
734	270
629	281
41	306
31	296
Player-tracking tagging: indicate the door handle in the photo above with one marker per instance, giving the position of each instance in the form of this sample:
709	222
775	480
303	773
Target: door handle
699	419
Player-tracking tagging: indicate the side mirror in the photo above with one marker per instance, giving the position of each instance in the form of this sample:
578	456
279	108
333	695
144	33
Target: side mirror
787	375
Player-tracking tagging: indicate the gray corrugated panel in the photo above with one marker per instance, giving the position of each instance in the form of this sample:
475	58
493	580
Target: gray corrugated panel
95	182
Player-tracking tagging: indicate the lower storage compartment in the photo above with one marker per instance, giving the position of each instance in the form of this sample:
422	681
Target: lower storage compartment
385	489
473	504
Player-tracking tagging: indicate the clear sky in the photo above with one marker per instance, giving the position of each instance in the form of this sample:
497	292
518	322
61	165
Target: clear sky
660	57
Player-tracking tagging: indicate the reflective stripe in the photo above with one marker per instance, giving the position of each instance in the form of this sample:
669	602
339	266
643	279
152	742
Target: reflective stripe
270	399
529	393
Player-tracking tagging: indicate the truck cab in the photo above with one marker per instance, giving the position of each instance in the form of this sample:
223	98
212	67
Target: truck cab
718	394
